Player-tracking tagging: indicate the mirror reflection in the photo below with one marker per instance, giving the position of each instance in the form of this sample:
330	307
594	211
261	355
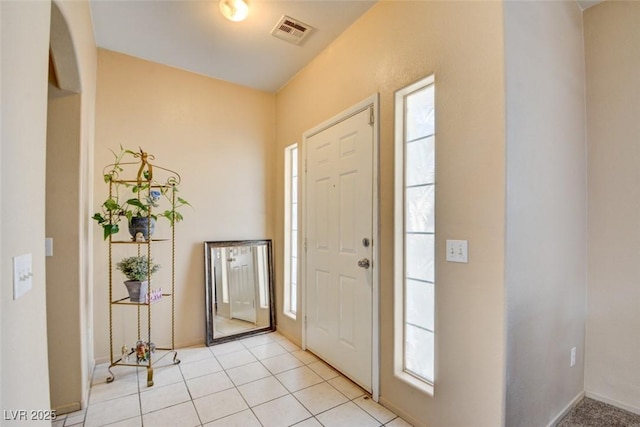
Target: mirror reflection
239	291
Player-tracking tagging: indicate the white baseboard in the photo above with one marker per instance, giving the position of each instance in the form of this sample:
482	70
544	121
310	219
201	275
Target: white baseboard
613	402
101	360
68	408
179	346
85	397
566	409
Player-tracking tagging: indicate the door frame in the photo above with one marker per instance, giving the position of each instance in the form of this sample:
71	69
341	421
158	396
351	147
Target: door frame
373	102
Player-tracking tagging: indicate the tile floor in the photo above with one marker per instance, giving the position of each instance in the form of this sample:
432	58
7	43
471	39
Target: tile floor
264	380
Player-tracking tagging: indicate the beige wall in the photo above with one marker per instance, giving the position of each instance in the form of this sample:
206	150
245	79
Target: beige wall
63	270
392	45
546	209
69	145
612	40
24	49
219	137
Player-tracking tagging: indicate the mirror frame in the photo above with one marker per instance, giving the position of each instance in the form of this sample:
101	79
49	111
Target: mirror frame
210	291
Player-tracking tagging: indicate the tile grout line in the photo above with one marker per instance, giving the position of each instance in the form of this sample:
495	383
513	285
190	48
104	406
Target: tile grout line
288	350
184	380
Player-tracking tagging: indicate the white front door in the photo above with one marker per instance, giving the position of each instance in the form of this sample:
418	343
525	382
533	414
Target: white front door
339	235
242	290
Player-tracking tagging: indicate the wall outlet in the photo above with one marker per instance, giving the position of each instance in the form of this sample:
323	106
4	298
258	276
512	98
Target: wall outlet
457	251
573	356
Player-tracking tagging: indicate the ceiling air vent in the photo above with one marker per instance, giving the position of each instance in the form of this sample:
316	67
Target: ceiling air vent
291	30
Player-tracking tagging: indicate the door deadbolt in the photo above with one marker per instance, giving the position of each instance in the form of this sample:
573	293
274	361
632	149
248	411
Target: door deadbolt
366	242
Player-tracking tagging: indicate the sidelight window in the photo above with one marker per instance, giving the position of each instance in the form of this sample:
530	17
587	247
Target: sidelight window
415	233
291	231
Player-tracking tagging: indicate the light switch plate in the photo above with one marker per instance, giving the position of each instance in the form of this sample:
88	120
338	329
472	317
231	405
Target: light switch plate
458	251
22	275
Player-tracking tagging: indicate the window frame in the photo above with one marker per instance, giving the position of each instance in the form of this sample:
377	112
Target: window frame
290	308
400	276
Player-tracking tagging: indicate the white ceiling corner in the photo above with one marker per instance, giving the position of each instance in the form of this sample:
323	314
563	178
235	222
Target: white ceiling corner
585	4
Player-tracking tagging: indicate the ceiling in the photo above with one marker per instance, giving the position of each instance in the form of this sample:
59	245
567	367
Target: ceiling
193	35
584	4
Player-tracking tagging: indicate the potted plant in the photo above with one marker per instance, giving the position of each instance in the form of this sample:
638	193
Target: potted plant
137	269
146	192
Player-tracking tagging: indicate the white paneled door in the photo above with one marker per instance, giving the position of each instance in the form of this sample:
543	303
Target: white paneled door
339	242
242	289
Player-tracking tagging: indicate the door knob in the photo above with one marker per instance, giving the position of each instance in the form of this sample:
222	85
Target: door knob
364	263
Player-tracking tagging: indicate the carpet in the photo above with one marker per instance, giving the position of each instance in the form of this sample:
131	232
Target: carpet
592	413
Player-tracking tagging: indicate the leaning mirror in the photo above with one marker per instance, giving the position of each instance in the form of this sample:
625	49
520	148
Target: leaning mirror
239	289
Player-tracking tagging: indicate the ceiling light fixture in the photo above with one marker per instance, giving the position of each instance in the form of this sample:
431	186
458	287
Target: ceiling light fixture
234	10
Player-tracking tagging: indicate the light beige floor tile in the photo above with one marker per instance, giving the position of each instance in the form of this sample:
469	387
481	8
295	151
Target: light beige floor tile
156	398
125	386
247	373
347	415
227	347
267	350
324	370
235	359
309	422
161	376
164	358
101	373
131	422
240	419
347	387
398	422
281	412
299	378
194	354
257	340
59	422
277	336
182	415
208	384
374	409
320	397
305	356
111	411
74	419
200	368
288	345
211	383
262	391
219	405
281	363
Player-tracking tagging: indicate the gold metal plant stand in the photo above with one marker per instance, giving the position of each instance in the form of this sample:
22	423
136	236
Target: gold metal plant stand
144	183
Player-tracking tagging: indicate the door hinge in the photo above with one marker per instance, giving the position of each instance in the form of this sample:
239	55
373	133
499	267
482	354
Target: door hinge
372	118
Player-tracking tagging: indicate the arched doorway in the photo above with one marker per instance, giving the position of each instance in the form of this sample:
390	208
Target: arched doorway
66	285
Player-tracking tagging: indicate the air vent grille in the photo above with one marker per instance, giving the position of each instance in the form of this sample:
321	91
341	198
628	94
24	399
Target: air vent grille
291	30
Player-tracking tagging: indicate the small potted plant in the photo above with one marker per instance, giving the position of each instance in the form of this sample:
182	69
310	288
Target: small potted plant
147	192
137	269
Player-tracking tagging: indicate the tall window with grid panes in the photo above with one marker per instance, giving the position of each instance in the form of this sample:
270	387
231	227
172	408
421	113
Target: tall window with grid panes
415	232
291	231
